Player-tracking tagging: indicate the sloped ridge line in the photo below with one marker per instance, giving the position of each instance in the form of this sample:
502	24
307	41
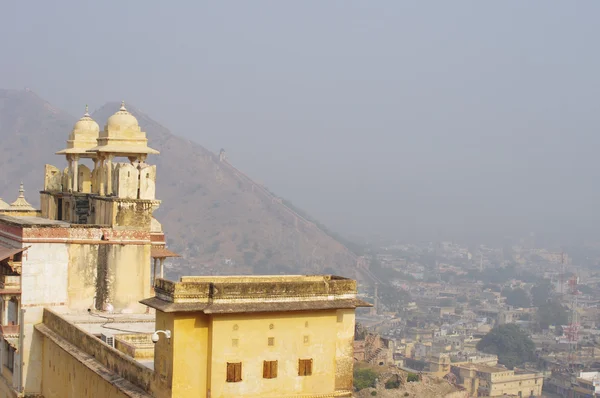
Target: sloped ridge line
276	200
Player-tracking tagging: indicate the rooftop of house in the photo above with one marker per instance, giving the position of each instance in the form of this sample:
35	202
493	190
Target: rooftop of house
234	294
485	368
31	221
97	323
83	333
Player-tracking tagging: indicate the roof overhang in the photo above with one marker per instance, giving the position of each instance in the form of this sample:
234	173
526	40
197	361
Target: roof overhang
233	308
124	150
7	252
162	252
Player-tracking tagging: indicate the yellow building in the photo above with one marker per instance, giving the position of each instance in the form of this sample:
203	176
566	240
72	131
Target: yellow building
72	276
493	381
263	336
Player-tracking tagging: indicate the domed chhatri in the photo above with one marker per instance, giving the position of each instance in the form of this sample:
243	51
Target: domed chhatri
122	120
21	203
122	136
86	123
83	137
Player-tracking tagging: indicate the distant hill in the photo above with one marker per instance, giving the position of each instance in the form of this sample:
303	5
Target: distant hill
213	214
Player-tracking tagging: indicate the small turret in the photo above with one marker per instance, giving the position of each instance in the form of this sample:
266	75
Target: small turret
21	203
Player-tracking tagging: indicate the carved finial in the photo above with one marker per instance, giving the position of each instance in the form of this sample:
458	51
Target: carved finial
21	190
123	106
87	113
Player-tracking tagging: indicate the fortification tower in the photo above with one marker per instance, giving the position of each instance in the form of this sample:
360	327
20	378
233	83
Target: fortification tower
112	193
114	199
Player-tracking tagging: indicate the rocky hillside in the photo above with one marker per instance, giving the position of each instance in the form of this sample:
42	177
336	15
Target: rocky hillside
213	214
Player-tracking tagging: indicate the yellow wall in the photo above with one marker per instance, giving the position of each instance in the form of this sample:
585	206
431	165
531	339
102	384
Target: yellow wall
127	281
344	350
66	377
77	364
525	385
288	330
195	360
129	275
83	266
182	363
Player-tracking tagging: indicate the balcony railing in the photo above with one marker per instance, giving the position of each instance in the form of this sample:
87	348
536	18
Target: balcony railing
10	282
8	330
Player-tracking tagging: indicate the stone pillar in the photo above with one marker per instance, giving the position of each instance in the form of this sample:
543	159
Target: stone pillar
69	186
75	167
18	299
100	176
162	268
154	273
5	300
109	175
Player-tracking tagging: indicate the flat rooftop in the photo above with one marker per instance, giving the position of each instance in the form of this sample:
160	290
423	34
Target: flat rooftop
234	294
98	323
31	221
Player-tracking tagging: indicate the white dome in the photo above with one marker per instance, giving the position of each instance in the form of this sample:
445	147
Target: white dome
122	120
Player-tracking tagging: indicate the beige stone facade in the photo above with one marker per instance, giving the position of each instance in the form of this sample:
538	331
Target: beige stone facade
284	321
88	248
494	381
77	277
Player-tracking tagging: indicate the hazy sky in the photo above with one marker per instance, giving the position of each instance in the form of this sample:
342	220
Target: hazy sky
415	118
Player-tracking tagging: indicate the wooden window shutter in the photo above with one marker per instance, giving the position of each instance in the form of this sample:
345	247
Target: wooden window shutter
269	369
230	372
273	369
304	367
238	371
266	370
234	372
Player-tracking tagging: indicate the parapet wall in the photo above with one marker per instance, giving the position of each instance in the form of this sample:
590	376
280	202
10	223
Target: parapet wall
138	346
215	289
60	331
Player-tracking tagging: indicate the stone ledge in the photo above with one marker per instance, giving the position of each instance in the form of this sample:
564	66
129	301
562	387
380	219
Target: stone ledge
126	387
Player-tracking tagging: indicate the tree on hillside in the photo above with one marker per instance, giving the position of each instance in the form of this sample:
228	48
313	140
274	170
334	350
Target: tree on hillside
540	293
512	345
552	313
364	378
516	297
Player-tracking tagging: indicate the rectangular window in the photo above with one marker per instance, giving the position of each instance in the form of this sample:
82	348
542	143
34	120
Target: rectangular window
234	372
10	358
305	367
271	341
269	369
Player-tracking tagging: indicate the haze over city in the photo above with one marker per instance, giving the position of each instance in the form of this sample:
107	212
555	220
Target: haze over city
405	120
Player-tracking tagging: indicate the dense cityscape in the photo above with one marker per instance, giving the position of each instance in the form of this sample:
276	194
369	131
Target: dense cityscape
518	319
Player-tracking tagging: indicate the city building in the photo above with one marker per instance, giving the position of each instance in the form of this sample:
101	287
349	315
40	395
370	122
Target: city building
78	316
587	385
493	381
